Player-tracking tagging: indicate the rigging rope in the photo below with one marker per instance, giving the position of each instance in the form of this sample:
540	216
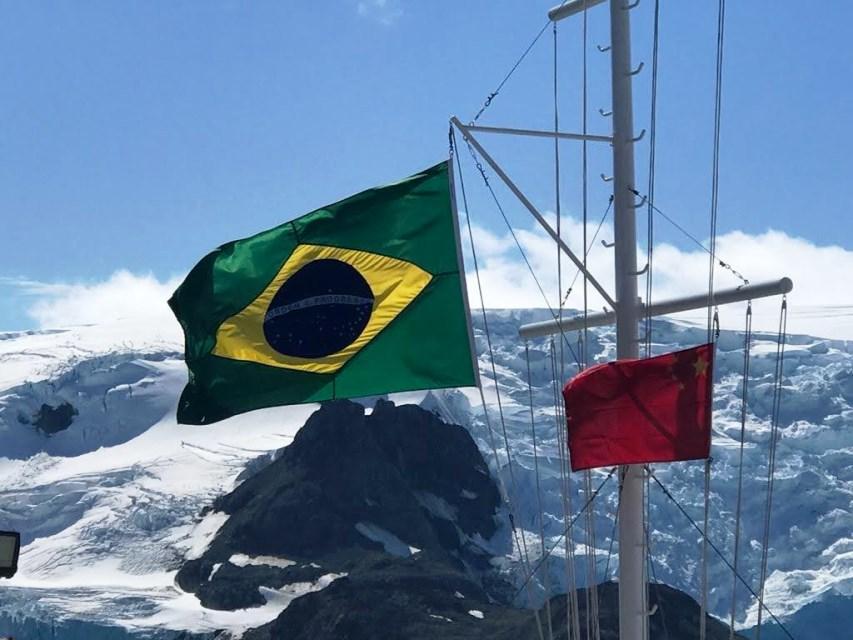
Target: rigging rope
557	197
589	248
720	263
650	236
771	464
592	586
566	530
559	213
715	172
500	209
715	187
747	342
713	332
572	613
656	584
650	243
591	558
717	550
520	544
651	562
547	581
584	195
613	532
488	101
704	602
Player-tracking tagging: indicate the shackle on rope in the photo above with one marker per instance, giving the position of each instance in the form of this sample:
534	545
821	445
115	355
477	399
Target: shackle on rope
715	323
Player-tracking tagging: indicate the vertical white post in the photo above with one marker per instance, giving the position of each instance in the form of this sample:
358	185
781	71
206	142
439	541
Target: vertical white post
632	584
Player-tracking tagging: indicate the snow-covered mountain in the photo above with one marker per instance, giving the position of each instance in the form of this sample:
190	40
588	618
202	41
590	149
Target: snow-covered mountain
108	490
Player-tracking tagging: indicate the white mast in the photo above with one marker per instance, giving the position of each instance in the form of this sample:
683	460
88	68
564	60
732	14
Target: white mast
632	553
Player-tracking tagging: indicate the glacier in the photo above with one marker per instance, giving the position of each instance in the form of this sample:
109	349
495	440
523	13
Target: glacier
112	503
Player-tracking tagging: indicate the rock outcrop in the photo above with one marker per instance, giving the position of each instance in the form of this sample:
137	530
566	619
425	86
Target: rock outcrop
352	486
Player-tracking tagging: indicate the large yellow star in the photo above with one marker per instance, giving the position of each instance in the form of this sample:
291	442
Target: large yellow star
700	366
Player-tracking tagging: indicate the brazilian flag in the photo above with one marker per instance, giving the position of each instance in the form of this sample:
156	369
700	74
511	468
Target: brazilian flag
362	297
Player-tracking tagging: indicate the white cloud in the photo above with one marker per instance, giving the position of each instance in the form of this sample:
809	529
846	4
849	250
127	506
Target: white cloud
821	303
386	12
123	295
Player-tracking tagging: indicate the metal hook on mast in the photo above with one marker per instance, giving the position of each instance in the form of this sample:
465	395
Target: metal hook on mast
607	245
602	49
606	178
637	70
637	205
641	271
605	113
631	5
639	137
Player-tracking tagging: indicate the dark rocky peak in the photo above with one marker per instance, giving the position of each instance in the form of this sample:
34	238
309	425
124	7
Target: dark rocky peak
396	481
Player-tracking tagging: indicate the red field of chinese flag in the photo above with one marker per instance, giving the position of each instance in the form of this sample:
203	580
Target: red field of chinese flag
637	411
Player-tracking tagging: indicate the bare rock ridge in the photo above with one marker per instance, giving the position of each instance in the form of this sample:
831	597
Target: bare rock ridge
399	507
349	488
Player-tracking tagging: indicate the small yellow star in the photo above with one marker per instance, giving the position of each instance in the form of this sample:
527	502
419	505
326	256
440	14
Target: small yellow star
701	366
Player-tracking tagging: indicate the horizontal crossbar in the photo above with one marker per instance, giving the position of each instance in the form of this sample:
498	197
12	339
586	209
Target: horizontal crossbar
568	9
665	307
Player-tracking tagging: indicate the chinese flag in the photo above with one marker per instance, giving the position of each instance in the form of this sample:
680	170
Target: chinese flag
636	411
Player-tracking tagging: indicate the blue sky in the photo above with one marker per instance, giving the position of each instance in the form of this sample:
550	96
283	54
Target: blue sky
138	136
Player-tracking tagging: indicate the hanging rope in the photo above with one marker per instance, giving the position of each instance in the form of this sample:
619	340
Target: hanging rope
715	187
704	602
542	292
585	198
557	197
547	580
654	582
613	532
650	233
747	343
572	613
592	586
559	213
715	173
593	626
520	541
771	463
650	244
719	553
713	333
657	594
